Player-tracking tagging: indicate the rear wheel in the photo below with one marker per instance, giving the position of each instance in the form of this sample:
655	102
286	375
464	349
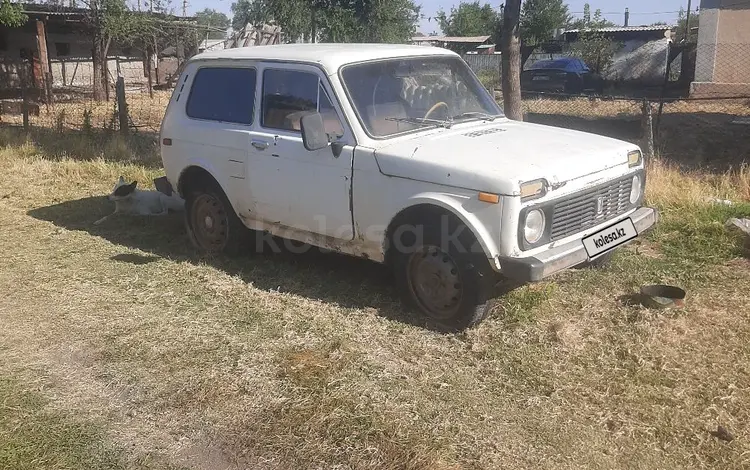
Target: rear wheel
212	224
449	284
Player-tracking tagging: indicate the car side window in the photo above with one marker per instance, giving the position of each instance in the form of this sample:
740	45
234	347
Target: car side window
287	96
290	94
223	94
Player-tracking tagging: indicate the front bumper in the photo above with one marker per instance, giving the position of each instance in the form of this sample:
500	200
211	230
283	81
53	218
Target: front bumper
562	257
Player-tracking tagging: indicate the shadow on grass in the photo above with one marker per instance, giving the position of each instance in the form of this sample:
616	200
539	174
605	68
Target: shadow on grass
139	148
344	280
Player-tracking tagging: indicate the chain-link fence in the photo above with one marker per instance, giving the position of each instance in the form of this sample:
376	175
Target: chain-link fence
67	99
696	98
695	101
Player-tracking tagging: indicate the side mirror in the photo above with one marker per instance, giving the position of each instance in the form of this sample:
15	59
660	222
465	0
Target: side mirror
314	136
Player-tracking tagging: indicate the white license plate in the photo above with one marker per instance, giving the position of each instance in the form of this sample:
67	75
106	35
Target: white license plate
540	78
610	237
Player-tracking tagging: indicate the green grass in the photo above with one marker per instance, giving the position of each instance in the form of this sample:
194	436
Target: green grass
33	438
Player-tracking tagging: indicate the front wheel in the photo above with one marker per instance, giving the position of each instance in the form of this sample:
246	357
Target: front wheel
449	284
212	224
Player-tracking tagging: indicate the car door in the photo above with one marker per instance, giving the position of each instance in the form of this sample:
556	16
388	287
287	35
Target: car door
289	185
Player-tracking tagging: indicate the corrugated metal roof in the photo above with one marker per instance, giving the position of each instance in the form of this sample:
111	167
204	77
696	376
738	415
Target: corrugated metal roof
625	29
469	39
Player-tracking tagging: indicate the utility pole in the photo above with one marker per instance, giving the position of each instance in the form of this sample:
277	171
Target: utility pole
687	20
184	8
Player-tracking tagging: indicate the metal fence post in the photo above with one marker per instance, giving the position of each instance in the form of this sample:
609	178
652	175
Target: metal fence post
122	106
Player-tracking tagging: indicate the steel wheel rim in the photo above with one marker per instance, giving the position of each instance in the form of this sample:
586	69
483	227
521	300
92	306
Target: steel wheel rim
209	223
434	281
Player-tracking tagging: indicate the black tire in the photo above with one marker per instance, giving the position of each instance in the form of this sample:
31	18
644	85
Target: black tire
599	263
461	278
211	222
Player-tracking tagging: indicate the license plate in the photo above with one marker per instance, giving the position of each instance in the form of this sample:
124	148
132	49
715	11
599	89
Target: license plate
540	78
609	238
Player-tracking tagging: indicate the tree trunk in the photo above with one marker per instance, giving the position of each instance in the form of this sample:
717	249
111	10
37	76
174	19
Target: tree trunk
511	58
97	64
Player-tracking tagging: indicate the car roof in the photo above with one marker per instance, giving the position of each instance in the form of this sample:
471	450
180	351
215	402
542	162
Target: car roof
330	56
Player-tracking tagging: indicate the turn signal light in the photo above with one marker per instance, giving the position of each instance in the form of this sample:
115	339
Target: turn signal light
489	198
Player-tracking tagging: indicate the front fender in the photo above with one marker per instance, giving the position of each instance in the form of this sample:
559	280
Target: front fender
466	209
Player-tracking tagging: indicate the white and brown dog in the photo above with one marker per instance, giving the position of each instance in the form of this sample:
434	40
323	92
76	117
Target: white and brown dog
130	200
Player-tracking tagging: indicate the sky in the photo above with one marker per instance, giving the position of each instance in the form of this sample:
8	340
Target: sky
641	11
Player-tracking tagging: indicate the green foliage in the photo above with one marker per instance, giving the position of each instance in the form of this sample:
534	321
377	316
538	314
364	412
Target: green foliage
597	21
682	26
596	50
213	20
60	121
11	14
87	126
470	19
332	20
539	18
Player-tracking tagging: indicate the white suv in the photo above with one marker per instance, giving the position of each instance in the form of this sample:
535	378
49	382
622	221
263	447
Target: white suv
396	154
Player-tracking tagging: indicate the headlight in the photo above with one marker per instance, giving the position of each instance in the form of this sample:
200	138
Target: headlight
634	158
533	189
534	226
635	190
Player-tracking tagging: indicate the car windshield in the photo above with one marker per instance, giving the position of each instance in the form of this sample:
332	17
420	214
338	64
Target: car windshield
402	95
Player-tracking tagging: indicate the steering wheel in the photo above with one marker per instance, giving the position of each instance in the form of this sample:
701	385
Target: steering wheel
434	107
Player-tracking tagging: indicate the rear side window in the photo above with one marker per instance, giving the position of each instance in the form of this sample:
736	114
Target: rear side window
223	94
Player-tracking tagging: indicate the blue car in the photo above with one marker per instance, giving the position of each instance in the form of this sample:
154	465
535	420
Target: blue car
565	75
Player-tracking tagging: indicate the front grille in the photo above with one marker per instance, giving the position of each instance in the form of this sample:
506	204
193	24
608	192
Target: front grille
591	207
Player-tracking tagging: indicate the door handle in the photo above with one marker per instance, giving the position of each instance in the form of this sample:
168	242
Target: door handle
259	144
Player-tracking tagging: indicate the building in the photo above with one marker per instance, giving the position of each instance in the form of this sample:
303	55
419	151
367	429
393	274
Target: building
56	44
460	44
642	54
722	64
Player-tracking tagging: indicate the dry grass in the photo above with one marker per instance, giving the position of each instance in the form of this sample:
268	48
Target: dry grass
145	112
308	361
605	108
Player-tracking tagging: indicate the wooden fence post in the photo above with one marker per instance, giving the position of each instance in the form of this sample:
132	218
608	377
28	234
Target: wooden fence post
122	106
647	129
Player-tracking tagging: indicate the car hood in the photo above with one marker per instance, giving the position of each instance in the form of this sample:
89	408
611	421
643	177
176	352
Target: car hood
498	156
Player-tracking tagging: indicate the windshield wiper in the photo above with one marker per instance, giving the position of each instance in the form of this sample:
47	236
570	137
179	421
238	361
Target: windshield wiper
476	114
423	122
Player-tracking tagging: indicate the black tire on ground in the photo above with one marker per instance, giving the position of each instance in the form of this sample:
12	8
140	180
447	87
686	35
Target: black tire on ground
599	263
211	222
448	284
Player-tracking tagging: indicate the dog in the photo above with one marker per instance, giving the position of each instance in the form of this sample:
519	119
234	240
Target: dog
130	200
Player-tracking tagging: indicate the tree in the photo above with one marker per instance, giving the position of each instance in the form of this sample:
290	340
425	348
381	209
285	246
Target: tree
213	21
596	50
683	27
11	14
332	20
588	22
540	18
469	19
511	58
